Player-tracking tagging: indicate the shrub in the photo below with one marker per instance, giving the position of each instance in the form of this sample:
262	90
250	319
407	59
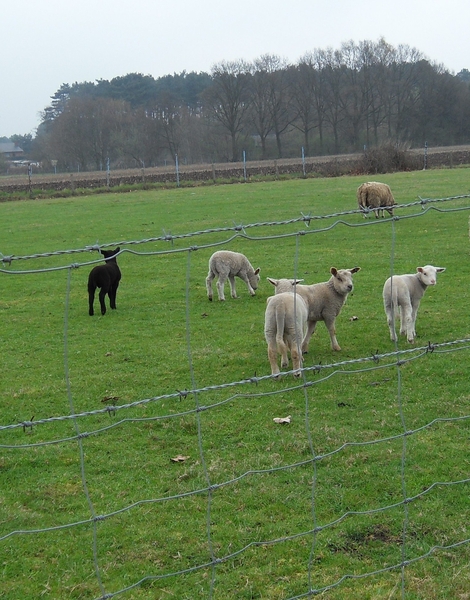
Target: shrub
388	158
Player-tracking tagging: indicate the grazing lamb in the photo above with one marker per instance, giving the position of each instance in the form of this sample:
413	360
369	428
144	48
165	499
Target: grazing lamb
226	264
284	326
403	293
107	278
324	300
376	196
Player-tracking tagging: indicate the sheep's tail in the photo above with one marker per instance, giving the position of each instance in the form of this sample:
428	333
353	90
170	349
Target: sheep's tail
362	198
280	324
91	284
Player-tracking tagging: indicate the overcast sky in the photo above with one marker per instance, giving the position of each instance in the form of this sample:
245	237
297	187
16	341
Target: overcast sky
46	44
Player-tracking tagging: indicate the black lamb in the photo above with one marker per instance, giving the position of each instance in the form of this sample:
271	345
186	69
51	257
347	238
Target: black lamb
107	278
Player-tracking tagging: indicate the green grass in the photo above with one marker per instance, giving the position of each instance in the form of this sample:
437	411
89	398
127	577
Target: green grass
156	345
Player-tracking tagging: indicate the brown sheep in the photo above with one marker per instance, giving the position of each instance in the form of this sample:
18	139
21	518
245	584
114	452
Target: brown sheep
376	196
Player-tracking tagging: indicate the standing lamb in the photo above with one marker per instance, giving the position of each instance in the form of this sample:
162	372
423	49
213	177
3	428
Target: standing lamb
225	264
376	196
324	300
403	293
107	278
284	326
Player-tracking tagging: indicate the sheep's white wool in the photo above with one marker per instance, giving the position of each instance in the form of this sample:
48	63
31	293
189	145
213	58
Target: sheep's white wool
284	326
403	293
225	264
324	300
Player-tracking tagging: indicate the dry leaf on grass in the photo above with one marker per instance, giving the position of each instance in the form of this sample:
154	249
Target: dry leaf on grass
110	399
282	420
179	458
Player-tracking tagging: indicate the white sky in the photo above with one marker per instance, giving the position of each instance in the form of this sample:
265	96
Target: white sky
46	44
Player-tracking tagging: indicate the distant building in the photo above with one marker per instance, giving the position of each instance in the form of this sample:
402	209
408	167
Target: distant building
10	150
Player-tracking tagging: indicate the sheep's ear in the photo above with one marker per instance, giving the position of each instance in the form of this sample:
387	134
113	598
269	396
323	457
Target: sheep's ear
334	271
440	269
273	281
257	271
296	281
355	270
419	269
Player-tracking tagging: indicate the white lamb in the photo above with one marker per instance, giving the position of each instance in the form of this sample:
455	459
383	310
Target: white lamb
376	196
284	326
324	300
225	264
403	293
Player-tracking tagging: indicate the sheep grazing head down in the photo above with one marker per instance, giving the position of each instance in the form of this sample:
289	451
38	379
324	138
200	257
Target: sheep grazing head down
253	278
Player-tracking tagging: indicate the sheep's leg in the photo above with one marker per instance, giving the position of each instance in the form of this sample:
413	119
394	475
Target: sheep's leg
308	334
220	286
272	356
209	279
112	295
296	358
402	322
391	324
390	314
414	314
91	299
233	291
102	294
282	348
407	323
248	284
330	325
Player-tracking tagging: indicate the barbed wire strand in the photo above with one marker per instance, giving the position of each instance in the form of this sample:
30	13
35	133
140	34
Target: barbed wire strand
240	229
400	356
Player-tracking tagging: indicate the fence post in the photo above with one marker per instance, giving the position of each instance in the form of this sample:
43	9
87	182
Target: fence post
244	165
30	173
177	171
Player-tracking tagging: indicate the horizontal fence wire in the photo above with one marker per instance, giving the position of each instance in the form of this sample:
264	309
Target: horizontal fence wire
239	233
236	391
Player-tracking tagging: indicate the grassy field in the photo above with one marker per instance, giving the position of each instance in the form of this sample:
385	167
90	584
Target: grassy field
95	507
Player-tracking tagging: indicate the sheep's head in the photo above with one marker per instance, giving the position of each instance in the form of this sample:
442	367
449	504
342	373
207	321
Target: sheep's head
110	253
342	279
428	274
254	279
284	285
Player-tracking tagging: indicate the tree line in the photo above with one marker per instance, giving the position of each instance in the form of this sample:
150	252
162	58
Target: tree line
361	95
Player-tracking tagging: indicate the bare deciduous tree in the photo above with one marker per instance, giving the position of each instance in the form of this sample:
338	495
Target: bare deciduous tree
227	98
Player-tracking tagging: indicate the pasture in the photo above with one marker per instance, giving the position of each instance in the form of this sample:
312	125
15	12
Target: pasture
139	458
